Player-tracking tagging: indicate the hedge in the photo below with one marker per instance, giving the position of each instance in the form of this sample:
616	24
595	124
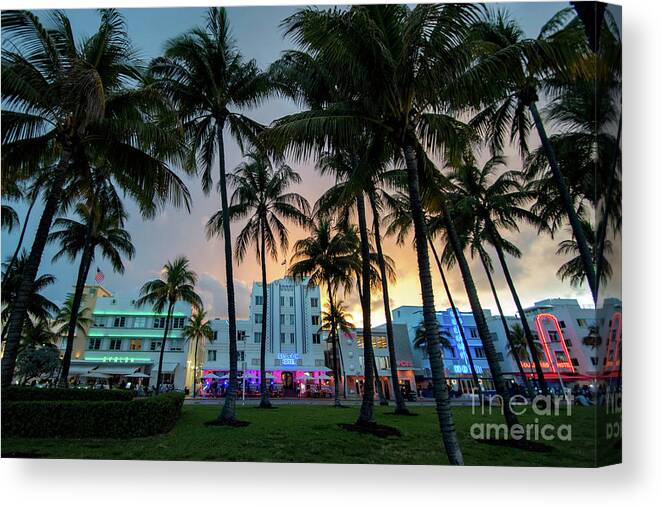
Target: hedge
139	417
14	393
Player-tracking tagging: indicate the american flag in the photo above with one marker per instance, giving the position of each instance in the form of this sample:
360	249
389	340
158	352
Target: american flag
99	276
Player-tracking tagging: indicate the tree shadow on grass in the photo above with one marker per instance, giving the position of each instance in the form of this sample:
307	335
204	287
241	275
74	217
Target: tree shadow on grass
378	430
232	424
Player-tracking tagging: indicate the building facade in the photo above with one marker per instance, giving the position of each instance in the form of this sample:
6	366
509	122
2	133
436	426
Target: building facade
294	348
123	343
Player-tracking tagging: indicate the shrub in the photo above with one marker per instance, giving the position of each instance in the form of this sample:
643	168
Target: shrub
15	393
138	417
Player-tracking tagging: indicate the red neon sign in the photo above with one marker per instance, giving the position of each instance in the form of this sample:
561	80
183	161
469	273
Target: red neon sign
546	340
614	329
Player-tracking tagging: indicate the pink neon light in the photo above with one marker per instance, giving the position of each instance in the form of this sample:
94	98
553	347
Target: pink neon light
616	319
546	341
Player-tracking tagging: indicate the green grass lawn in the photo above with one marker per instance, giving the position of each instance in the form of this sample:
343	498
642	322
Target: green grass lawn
304	433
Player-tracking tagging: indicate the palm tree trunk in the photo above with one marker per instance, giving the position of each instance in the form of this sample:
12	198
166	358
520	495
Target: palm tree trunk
495	241
197	339
503	320
228	412
478	315
162	352
20	242
333	337
574	221
19	313
264	393
445	419
455	312
379	386
367	406
83	271
400	404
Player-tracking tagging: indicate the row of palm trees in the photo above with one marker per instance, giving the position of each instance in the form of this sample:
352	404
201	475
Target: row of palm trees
396	103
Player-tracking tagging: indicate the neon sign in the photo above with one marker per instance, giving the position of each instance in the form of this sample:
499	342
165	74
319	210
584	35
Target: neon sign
288	358
545	339
117	359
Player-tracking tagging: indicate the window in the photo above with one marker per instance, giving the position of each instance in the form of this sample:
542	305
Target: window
159	322
315	320
139	322
215	335
282	337
99	322
574	361
291	301
560	356
382	363
314	302
568	342
594	361
94	344
292	318
291	337
380	342
478	352
494	336
115	344
241	355
561	323
136	344
119	322
174	345
155	345
581	322
282	300
211	355
316	338
500	357
282	319
241	335
474	333
258	337
553	336
258	318
178	322
259	300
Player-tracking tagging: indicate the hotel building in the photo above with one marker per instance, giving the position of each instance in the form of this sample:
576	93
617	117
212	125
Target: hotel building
294	348
123	342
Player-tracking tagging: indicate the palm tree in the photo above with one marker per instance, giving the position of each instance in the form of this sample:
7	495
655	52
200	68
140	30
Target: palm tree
67	101
177	283
100	226
337	321
37	333
518	345
573	269
529	66
593	338
260	192
497	203
40	308
327	258
83	319
198	329
204	74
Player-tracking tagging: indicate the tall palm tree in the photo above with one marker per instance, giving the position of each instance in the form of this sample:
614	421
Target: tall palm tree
420	338
530	66
177	283
519	347
206	77
327	258
68	100
261	193
40	308
100	226
198	329
497	203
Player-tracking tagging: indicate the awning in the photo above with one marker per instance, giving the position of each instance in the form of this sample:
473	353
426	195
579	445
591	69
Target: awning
299	368
138	375
119	370
78	370
167	367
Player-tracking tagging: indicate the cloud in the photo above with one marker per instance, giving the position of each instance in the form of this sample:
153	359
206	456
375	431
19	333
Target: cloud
214	297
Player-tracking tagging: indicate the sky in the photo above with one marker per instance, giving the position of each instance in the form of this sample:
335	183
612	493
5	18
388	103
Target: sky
175	232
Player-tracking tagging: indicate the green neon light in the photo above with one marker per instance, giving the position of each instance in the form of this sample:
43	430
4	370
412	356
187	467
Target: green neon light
117	359
130	333
140	314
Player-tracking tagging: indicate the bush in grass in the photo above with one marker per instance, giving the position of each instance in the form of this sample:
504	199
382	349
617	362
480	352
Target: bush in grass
139	417
14	393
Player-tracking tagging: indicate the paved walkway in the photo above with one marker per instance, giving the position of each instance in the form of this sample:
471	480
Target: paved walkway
312	401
